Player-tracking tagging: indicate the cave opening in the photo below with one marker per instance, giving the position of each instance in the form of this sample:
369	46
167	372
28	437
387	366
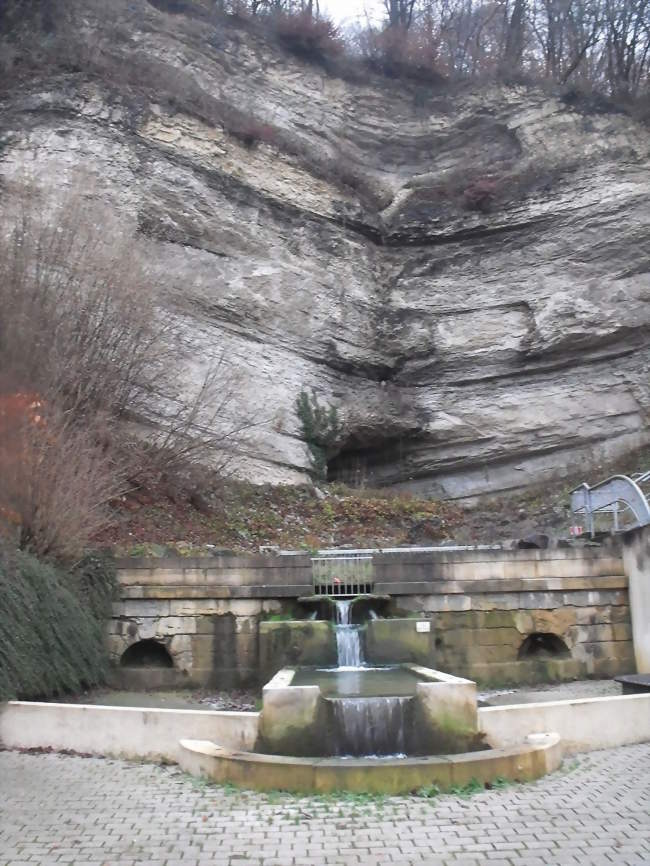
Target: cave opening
146	654
543	645
370	463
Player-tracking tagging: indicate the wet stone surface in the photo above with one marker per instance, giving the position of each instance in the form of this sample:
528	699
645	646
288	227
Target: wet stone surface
173	699
551	692
88	812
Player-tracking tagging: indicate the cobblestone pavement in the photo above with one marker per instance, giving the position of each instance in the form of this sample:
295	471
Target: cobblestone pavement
92	812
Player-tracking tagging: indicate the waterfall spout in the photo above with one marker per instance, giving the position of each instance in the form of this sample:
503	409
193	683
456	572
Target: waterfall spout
370	726
348	639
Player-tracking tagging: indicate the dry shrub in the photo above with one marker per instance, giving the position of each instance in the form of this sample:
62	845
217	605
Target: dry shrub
400	53
85	334
306	36
246	128
79	322
57	480
483	190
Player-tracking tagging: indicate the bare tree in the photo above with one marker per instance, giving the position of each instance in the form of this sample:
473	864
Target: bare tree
566	30
627	38
400	13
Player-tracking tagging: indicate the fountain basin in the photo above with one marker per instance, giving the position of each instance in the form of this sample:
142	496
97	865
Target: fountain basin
368	682
310	713
537	755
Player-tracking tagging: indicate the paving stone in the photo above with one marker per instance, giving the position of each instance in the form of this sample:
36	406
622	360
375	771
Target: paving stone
57	809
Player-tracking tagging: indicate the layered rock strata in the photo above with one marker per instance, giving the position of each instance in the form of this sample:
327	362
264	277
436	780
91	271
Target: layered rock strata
464	272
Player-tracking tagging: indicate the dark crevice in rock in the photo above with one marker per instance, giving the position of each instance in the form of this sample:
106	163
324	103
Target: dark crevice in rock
360	463
482	231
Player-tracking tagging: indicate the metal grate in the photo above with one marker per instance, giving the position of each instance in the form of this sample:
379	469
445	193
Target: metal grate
342	575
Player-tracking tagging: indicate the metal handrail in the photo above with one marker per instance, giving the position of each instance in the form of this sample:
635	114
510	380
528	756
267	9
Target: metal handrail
614	495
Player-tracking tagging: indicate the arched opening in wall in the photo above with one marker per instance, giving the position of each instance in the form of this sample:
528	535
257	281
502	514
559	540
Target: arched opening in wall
146	654
544	645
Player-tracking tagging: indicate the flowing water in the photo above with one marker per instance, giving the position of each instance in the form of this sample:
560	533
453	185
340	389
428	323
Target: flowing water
370	726
348	638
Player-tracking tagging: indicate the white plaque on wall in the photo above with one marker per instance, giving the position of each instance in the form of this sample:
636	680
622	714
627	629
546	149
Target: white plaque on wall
423	627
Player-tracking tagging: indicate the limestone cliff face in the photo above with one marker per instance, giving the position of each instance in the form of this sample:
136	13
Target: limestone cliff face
464	272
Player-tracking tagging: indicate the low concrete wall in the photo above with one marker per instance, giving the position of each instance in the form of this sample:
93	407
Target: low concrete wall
636	556
531	759
120	732
583	725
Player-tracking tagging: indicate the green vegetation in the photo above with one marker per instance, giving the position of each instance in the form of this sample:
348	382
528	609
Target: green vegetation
430	792
472	787
51	625
321	429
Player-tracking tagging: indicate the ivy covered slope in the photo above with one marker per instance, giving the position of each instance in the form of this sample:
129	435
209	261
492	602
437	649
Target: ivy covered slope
51	625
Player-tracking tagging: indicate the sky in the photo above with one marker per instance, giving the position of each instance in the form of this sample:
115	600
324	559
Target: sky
348	11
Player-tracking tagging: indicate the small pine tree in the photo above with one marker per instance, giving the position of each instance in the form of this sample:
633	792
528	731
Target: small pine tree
321	429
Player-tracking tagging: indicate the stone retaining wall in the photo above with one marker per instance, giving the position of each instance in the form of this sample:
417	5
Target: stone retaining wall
212	615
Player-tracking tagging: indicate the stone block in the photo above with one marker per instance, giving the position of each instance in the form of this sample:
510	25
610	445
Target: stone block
612	667
245	607
197	606
397	640
204	624
203	651
294	718
247	648
482	654
621	650
449	706
620	613
508	637
495	601
448	620
297	642
516	672
141	608
495	619
459	638
584	634
446	603
622	631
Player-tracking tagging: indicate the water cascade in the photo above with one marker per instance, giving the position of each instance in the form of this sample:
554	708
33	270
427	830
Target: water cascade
370	726
348	639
